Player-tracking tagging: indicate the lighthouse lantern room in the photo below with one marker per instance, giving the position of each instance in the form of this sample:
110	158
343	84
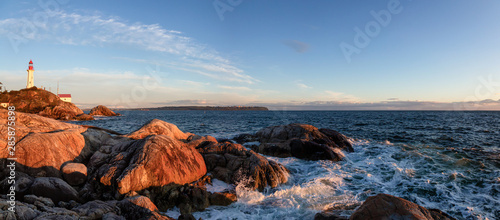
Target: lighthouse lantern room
30	82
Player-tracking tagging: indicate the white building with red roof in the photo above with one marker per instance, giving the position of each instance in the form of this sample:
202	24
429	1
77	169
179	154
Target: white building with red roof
65	97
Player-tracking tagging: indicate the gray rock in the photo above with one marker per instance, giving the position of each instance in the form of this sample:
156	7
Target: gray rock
53	188
95	209
38	201
232	163
23	183
112	216
24	212
302	141
7	215
58	213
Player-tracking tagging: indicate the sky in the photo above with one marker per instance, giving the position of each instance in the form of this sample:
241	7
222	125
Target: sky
290	55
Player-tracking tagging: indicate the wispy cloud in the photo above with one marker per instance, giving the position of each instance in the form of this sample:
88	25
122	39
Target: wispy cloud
299	84
303	86
340	97
299	47
239	88
101	31
194	83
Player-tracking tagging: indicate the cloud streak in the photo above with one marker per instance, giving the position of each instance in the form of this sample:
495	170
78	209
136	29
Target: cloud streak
100	31
237	88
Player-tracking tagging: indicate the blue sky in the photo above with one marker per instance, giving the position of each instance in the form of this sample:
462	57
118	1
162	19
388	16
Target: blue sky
281	54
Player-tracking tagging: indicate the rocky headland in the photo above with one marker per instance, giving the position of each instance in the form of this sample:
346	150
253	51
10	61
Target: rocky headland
44	103
67	171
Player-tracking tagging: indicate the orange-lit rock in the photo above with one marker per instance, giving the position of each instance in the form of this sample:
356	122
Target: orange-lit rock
159	127
102	110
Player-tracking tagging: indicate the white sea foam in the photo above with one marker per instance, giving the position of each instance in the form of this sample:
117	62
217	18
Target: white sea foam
218	186
417	174
173	212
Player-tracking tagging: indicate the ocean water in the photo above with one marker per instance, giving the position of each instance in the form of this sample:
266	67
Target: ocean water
444	160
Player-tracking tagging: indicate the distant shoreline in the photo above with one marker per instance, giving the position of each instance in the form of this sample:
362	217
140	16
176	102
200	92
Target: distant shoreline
204	108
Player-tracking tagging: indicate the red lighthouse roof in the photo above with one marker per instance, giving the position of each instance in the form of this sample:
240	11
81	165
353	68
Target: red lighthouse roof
30	67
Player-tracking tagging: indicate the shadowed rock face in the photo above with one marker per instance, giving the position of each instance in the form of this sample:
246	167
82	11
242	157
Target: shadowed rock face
102	110
54	188
383	206
232	163
154	161
302	141
188	197
74	173
45	103
39	208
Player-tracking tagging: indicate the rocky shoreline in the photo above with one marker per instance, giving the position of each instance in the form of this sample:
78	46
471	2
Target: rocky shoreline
47	104
67	171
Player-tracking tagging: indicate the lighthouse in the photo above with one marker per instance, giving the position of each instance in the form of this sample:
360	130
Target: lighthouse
30	82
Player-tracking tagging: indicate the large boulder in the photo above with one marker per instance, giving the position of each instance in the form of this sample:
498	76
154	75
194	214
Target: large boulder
233	163
222	198
384	206
139	207
44	144
302	141
74	173
159	127
150	162
22	184
65	111
102	110
42	154
188	197
53	188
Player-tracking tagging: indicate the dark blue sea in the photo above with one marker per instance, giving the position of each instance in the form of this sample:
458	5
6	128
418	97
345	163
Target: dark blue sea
438	159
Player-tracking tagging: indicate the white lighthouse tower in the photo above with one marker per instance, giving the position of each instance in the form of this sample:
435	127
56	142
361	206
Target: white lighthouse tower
30	82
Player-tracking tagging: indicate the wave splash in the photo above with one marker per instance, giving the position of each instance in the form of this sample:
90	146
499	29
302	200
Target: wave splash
429	176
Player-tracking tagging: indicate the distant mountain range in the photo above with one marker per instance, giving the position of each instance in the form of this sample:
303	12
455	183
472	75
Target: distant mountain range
216	108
